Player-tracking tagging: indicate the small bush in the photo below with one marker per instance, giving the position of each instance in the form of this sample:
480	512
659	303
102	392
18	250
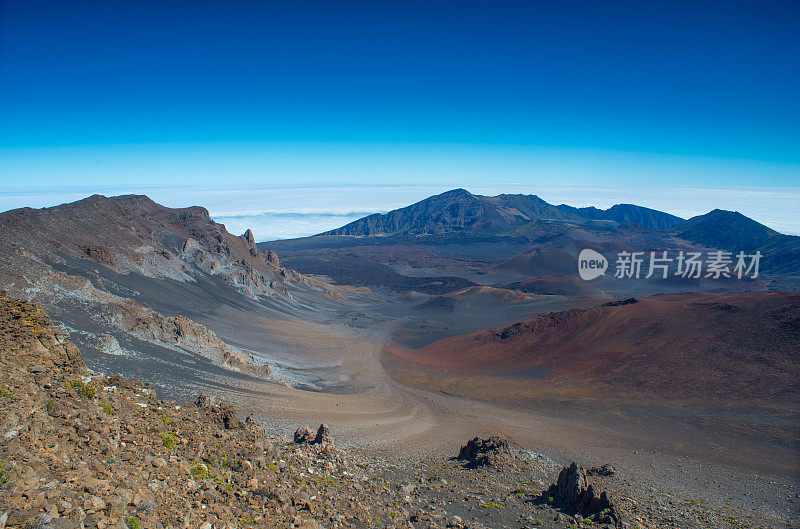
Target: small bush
107	408
85	390
199	471
230	463
133	523
5	477
5	393
168	439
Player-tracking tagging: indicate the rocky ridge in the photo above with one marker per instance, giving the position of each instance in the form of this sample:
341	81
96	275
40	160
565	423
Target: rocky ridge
133	234
89	258
139	320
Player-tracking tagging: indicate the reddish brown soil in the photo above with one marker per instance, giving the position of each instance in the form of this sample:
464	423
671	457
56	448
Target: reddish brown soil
742	345
560	285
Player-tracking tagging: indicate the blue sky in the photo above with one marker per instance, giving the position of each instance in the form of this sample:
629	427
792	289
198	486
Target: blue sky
319	93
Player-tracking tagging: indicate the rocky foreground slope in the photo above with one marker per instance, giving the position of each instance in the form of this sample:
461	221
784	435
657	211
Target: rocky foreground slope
84	450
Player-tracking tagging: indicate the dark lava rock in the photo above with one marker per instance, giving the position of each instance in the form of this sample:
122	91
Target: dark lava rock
575	495
605	470
204	401
222	414
303	435
323	434
229	417
485	452
101	254
620	302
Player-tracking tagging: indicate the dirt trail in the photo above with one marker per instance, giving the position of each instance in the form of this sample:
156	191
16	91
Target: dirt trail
399	422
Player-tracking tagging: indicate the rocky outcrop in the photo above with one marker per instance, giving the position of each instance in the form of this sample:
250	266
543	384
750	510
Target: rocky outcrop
146	324
249	240
101	254
272	258
219	413
575	495
304	435
604	470
323	435
485	452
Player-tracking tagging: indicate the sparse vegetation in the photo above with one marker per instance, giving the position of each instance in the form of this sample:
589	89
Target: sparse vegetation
228	462
247	520
85	390
199	470
133	523
4	475
169	440
107	408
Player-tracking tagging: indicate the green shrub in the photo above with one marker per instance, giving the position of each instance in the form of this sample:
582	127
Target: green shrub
199	471
168	439
85	390
133	523
107	408
5	477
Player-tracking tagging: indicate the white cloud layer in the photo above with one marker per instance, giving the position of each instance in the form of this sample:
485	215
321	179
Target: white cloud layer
278	212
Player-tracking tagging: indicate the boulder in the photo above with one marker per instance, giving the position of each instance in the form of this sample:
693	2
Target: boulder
230	419
204	401
323	434
574	494
605	470
101	254
303	435
485	452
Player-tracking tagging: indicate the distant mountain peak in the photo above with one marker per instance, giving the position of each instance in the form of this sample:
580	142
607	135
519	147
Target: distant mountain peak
459	211
729	230
454	192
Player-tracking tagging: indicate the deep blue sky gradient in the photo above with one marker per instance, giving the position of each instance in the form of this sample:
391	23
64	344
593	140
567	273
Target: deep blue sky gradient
115	91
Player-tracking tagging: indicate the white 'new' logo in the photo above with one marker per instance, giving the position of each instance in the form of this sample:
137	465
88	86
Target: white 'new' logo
591	264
